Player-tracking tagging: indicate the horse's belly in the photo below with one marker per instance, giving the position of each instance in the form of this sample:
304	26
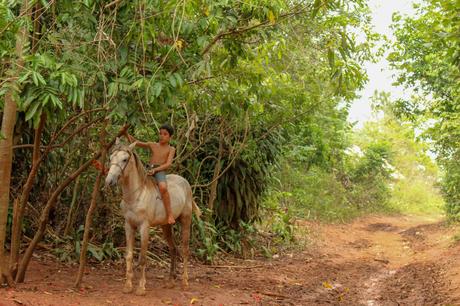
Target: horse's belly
134	218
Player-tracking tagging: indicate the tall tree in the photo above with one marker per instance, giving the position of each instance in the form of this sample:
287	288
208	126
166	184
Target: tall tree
8	123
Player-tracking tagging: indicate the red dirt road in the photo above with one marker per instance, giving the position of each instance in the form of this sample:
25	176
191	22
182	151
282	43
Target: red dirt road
373	261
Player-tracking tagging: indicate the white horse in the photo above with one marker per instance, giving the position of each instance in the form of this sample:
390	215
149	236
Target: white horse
142	208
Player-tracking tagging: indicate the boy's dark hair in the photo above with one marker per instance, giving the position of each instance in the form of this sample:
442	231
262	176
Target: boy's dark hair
168	128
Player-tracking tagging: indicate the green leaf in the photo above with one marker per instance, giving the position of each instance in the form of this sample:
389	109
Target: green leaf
24	77
113	89
157	89
331	57
81	99
316	6
32	110
179	80
38	79
172	80
56	102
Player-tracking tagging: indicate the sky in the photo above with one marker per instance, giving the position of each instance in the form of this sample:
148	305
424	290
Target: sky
380	75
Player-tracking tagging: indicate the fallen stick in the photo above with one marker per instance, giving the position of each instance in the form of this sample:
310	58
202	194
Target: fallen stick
239	267
275	295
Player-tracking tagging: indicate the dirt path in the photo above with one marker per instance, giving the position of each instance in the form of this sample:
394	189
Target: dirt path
373	261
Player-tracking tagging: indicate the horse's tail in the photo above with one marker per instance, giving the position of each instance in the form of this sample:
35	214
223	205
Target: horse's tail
196	209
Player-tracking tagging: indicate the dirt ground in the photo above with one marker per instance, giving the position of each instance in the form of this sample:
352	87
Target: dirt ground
375	260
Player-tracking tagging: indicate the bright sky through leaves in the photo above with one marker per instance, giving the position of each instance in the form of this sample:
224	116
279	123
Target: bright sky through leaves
380	78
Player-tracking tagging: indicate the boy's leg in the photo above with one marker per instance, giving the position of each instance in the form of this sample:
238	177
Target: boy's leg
166	202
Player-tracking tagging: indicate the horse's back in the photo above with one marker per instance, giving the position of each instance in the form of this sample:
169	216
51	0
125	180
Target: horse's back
180	192
177	179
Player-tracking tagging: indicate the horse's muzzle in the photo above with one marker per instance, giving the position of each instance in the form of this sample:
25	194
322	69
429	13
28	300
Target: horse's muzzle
110	180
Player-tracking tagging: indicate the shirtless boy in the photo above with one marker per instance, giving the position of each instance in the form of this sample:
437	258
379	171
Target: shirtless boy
161	158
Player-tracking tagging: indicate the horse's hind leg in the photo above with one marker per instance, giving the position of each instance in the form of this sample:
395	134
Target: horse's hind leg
168	235
144	230
129	231
185	224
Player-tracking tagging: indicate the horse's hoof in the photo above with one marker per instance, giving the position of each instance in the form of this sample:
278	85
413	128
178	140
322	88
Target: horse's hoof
127	289
140	291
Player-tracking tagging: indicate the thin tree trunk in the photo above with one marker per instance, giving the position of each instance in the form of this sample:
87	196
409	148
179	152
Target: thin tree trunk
89	215
45	213
6	142
68	223
217	170
37	26
18	212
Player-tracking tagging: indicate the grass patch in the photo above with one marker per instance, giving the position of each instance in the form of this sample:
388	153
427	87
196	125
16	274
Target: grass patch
416	196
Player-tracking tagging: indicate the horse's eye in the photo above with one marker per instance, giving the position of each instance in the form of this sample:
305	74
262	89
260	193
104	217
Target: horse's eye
124	160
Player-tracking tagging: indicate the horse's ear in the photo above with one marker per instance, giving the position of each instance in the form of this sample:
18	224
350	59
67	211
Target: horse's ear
131	146
117	141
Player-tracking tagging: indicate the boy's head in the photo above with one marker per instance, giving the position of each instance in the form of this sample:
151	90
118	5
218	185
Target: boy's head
168	128
166	131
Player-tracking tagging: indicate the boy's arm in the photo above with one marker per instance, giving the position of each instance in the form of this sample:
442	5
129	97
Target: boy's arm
141	144
168	162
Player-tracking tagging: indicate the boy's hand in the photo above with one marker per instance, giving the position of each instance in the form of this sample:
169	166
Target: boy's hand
151	172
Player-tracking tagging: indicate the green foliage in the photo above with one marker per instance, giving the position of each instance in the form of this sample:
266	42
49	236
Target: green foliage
387	169
68	249
278	217
416	195
451	183
213	239
373	164
369	176
414	176
318	194
427	58
241	186
208	246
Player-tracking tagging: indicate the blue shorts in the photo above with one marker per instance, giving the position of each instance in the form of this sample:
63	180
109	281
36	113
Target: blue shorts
160	176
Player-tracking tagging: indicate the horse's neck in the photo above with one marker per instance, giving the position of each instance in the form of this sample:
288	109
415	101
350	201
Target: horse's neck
133	182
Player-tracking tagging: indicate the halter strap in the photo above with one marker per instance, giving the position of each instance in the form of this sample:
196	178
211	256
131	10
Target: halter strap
116	164
123	169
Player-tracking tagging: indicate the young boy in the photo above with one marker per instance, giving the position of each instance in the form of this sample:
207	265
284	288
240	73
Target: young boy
162	154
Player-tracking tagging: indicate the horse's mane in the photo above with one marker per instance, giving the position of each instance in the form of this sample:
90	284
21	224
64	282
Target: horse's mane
139	165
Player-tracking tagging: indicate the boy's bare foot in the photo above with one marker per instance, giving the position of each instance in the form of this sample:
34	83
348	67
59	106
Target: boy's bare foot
171	220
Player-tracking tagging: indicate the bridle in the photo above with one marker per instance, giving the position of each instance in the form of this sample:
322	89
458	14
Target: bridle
123	168
126	164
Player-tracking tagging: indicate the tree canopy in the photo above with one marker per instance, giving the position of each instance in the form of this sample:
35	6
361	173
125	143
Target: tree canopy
426	56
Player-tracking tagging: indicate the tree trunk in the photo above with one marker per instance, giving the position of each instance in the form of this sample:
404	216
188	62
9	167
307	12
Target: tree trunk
18	212
6	142
89	215
45	213
217	170
70	214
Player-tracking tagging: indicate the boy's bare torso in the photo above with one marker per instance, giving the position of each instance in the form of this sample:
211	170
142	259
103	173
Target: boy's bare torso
160	153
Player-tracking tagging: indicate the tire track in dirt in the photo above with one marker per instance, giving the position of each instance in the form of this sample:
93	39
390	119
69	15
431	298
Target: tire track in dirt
414	273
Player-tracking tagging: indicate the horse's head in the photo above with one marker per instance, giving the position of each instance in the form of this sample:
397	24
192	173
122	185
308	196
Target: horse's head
119	159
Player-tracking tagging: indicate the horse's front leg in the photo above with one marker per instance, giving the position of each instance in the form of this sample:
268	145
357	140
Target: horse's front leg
144	230
129	231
